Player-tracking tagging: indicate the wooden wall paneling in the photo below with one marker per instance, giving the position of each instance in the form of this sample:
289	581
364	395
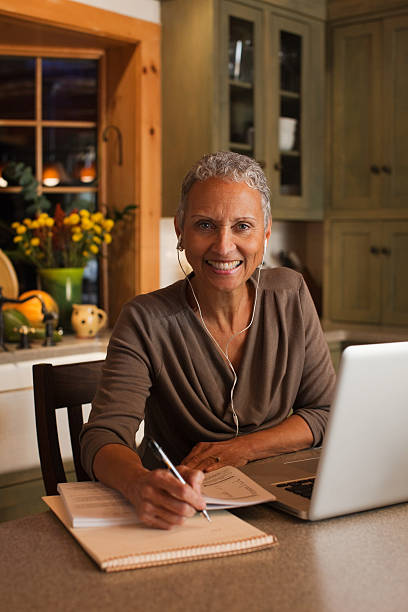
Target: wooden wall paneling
122	181
149	163
188	88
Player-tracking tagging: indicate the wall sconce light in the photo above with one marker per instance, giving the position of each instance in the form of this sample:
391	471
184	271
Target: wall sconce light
51	175
119	135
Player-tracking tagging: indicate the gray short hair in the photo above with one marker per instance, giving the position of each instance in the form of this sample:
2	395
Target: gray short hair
231	166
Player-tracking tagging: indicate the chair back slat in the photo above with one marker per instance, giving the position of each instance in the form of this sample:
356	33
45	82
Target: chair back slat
75	421
67	386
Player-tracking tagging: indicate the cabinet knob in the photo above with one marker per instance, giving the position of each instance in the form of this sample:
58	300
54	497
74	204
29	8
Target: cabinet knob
375	169
386	251
374	250
277	166
386	169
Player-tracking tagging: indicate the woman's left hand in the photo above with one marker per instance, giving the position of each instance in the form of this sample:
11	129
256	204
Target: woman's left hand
209	456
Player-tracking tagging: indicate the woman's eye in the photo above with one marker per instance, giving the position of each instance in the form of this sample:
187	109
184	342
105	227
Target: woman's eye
242	227
205	225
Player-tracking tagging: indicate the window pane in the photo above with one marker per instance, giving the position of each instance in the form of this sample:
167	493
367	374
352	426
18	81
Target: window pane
12	208
69	157
17	145
17	87
70	89
69	201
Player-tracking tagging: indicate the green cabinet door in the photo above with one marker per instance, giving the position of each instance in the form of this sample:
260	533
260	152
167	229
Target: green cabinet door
357	117
355	272
395	156
395	273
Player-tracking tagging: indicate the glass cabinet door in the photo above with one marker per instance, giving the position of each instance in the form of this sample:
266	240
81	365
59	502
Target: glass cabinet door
290	114
241	78
295	147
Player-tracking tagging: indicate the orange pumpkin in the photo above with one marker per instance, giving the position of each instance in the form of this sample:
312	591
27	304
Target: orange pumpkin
32	308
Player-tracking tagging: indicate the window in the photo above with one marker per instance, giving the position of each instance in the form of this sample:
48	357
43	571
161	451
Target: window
49	117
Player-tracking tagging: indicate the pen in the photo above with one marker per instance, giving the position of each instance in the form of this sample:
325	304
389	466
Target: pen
162	455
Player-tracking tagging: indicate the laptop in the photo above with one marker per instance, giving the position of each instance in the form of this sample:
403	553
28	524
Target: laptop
363	462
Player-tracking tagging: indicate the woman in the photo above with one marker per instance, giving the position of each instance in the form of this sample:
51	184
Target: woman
228	366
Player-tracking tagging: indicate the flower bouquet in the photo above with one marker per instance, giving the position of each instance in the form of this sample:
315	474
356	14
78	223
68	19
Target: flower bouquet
63	241
59	247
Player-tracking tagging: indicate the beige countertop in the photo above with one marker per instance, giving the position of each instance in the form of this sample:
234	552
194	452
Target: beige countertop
357	563
69	345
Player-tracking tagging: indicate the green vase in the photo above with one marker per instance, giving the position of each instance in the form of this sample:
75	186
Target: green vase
65	286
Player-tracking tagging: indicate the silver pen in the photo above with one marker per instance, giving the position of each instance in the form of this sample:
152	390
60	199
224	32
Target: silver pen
162	455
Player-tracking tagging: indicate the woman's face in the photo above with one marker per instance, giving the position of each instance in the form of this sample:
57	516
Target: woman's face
223	234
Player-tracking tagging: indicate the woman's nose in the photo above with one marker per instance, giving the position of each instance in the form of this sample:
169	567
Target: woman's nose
224	242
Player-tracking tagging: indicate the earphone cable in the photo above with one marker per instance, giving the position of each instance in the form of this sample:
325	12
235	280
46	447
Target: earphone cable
225	353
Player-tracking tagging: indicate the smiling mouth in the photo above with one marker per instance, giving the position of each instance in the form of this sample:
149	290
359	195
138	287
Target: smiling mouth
224	265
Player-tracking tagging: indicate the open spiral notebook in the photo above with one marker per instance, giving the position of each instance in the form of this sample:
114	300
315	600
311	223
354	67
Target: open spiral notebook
125	547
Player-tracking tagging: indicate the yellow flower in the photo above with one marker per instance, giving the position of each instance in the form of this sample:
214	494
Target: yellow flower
35	224
108	224
97	229
21	229
17	238
77	237
27	251
74	218
27	222
49	222
97	239
97	217
86	224
94	249
84	213
76	229
85	253
67	221
107	238
43	215
35	241
15	225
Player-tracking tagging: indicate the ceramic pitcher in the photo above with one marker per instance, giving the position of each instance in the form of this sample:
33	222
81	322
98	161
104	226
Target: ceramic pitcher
87	320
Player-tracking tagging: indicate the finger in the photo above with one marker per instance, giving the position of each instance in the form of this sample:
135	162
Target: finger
173	494
208	461
157	517
193	477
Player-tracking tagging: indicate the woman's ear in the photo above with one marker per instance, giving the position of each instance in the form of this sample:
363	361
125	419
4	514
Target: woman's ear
179	246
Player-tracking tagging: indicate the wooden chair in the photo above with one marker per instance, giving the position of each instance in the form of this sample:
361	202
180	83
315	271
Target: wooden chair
64	386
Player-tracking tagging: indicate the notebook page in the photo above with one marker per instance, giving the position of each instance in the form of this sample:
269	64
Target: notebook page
128	542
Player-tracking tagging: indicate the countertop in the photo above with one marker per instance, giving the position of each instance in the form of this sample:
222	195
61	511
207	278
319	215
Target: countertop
69	345
357	563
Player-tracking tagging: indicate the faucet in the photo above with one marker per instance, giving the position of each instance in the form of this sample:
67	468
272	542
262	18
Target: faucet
48	318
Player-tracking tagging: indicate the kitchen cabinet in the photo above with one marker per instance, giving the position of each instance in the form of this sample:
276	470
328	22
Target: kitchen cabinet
370	118
252	82
369	273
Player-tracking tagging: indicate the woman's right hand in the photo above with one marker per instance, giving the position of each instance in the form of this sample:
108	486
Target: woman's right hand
161	500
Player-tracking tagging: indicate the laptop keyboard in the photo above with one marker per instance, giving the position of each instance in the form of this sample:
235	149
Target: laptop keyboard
303	488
